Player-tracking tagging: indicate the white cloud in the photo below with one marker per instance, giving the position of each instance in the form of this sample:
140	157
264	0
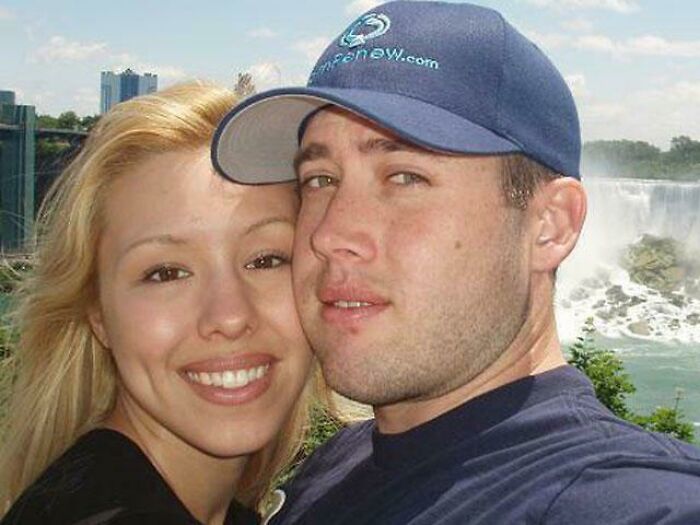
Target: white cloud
6	14
86	101
60	48
578	25
654	115
121	61
647	45
577	84
312	47
619	6
266	75
262	32
42	99
548	40
357	7
165	72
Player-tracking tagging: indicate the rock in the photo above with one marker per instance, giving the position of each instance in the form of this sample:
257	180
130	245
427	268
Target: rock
616	296
693	319
565	304
605	315
635	300
656	262
675	299
639	328
593	283
579	294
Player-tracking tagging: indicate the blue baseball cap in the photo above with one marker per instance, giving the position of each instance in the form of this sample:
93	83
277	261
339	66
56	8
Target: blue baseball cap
448	77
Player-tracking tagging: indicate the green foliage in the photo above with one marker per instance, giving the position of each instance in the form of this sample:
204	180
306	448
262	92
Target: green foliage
67	120
627	158
245	86
323	427
88	121
667	421
47	122
612	386
606	372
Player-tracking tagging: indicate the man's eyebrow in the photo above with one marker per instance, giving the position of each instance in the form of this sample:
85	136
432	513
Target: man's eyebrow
308	153
382	145
374	145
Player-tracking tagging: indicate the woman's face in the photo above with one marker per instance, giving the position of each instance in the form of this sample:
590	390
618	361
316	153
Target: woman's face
195	304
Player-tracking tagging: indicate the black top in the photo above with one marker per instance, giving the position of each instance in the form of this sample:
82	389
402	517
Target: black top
541	450
106	478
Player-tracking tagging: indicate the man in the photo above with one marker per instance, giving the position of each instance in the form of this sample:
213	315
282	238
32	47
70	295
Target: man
437	152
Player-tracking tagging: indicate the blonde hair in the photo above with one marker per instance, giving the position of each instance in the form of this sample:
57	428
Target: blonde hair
64	381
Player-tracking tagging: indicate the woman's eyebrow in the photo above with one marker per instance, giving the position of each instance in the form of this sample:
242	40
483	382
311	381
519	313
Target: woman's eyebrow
269	220
163	238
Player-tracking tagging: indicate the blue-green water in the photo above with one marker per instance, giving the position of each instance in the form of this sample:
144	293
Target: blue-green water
658	370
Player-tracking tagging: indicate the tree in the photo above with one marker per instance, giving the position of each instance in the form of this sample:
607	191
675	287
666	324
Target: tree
47	122
88	121
605	370
68	120
684	150
244	85
612	386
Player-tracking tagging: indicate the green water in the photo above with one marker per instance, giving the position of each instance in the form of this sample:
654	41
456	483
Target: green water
658	370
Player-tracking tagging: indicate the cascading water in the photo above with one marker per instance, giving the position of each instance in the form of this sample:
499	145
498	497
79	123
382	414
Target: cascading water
593	283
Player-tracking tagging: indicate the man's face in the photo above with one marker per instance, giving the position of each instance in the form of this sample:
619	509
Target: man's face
410	271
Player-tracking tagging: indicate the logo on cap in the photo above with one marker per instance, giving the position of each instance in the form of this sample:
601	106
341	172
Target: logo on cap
354	36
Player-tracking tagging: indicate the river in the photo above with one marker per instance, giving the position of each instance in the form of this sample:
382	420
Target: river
668	358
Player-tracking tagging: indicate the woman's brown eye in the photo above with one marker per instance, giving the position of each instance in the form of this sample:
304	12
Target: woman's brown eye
166	273
265	262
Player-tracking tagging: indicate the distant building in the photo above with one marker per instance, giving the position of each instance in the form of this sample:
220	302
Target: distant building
7	97
118	87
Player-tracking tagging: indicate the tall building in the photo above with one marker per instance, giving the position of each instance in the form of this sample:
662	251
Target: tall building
118	87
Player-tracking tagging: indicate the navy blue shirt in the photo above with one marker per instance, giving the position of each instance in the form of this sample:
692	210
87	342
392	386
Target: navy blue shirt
540	450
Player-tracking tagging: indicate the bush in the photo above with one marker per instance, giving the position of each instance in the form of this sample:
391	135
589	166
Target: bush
612	386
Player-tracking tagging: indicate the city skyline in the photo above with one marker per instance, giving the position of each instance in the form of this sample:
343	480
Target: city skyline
633	65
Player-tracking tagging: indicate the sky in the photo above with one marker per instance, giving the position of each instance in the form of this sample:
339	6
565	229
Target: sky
633	65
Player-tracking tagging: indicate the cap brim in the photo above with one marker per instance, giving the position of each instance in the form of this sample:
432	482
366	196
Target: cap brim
256	142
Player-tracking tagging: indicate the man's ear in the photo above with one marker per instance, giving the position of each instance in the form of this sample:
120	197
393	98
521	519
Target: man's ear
95	318
559	209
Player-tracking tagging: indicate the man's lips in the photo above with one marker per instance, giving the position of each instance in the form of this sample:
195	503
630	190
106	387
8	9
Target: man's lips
350	305
350	297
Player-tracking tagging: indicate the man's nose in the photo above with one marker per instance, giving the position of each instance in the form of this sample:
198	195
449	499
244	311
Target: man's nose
347	230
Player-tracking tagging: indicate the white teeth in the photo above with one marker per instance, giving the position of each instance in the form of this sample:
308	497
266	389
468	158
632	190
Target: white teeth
228	378
350	304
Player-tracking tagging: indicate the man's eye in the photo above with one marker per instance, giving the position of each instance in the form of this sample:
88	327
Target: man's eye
406	178
318	181
266	262
164	274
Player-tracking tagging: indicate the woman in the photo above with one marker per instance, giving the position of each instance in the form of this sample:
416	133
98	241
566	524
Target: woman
160	357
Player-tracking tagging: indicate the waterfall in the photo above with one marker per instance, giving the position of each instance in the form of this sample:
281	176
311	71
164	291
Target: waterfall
620	212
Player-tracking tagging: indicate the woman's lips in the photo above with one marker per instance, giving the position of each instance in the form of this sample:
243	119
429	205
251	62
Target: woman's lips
231	380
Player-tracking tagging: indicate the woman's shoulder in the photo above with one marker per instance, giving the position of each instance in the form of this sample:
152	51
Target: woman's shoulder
103	478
